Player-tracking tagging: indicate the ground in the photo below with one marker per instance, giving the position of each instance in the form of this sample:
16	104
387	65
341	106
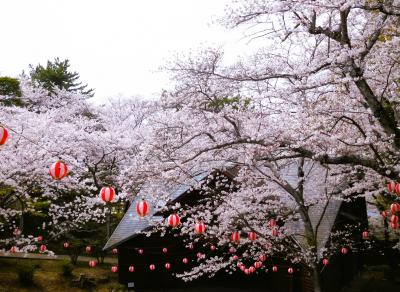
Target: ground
48	276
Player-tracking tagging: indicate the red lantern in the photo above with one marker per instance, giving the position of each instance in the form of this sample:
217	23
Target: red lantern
88	249
42	248
152	267
274	269
394	219
174	220
199	227
243	268
140	251
258	265
185	260
325	262
397	189
142	208
107	194
232	249
66	244
239	264
92	264
58	170
167	266
252	269
365	234
344	250
384	214
114	251
114	269
131	269
395	207
13	249
235	257
394	225
212	247
274	232
263	257
164	250
247	271
290	270
3	135
391	187
252	235
272	223
39	238
235	237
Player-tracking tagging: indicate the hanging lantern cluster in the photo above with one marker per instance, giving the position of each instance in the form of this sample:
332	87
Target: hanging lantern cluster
107	194
58	170
394	188
3	135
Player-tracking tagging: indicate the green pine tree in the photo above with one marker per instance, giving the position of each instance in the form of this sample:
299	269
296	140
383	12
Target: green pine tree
57	74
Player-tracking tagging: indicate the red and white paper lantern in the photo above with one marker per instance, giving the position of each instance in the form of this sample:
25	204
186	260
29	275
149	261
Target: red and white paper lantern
114	251
263	258
152	267
252	235
232	249
199	227
212	247
167	266
235	258
394	225
174	220
394	219
3	135
131	269
58	170
107	194
391	187
185	260
39	238
140	251
235	237
384	214
274	232
92	264
114	269
397	189
394	208
13	249
42	248
246	271
66	245
365	234
274	269
271	223
142	208
252	269
258	265
165	250
344	250
290	270
325	262
88	249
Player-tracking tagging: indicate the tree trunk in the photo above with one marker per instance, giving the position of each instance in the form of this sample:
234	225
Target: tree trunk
316	280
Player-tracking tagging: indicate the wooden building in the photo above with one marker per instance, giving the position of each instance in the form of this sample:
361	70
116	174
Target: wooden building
140	251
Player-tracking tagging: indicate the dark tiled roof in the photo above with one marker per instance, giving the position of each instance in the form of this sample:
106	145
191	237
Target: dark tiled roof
131	224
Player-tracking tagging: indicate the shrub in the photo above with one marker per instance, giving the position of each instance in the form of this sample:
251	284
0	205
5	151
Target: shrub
10	86
25	274
67	268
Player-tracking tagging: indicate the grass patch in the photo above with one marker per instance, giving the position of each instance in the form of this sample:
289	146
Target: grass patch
49	275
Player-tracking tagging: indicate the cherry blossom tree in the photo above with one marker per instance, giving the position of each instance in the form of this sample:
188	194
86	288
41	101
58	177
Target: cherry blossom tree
320	94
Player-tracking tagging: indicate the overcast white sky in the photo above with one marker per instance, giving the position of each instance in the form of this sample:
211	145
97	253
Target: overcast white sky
116	46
